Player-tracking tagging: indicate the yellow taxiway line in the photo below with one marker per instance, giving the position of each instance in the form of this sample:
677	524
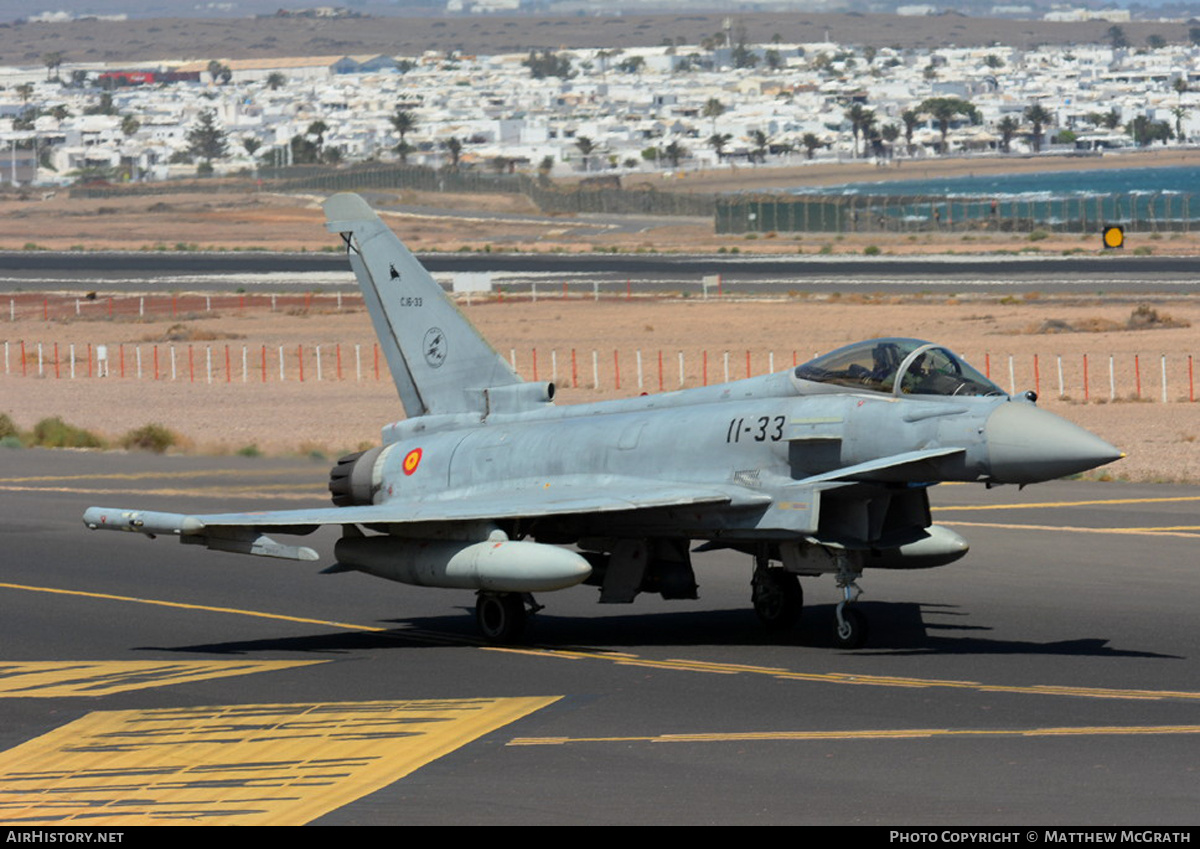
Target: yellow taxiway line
257	614
1043	504
1188	531
678	665
876	734
686	665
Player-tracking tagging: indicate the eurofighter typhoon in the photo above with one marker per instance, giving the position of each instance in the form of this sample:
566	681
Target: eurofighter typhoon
486	485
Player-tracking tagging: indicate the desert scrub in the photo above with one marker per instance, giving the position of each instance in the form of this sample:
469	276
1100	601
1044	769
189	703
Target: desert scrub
53	432
151	437
8	427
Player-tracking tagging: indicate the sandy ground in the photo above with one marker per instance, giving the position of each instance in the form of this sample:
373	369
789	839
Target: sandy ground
331	415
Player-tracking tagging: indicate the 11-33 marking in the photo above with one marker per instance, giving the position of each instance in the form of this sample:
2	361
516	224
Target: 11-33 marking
763	428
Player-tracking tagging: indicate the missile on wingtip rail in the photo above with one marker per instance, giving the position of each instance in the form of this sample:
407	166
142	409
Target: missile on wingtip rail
147	522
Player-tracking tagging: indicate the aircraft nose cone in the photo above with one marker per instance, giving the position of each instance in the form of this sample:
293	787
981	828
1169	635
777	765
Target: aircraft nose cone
1027	445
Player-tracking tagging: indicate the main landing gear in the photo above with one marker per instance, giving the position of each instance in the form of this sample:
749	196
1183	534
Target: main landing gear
777	596
502	616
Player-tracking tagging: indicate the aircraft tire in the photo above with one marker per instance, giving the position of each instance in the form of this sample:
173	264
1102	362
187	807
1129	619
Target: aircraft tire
851	632
501	616
778	599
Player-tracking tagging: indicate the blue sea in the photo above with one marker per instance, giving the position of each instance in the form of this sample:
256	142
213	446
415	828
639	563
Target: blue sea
1153	197
1030	186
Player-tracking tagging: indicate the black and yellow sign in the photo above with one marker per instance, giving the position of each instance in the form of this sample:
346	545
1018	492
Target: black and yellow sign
1114	236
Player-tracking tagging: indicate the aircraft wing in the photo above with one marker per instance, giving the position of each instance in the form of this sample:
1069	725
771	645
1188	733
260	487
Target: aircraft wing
245	533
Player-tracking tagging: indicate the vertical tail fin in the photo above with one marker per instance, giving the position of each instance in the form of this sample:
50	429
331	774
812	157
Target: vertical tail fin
438	360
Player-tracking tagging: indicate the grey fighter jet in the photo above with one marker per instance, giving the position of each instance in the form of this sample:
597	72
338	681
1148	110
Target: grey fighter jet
486	485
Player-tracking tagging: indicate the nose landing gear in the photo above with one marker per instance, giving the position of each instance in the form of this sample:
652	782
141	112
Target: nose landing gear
851	629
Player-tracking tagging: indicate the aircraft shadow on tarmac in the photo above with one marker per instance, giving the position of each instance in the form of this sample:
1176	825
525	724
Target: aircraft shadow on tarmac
897	629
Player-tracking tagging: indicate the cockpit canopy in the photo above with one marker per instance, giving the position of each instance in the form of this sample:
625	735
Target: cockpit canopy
897	366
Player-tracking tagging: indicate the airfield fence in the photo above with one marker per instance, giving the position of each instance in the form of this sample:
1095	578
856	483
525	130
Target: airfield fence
1136	212
549	197
1081	378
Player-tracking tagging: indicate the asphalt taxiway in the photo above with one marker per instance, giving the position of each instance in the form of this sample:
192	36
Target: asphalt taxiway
742	274
1050	677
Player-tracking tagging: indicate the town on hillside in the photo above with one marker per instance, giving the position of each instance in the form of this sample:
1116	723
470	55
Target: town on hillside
611	114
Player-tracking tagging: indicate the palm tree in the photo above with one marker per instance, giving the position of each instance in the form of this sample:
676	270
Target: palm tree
1180	113
717	142
318	128
276	81
675	152
404	122
1038	116
944	110
761	143
632	65
1145	131
714	109
1008	127
811	143
860	119
586	147
52	61
454	146
218	72
910	119
890	132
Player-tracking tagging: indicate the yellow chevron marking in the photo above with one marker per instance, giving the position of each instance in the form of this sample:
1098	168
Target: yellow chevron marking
238	764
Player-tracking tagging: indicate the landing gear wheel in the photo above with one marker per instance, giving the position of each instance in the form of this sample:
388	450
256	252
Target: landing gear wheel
851	629
501	616
778	599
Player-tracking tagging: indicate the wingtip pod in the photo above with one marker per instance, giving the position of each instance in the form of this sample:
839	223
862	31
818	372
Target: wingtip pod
141	521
